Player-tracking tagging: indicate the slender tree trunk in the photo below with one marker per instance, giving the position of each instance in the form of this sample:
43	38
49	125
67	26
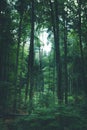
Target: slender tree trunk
54	74
55	24
17	63
41	76
31	61
65	58
49	83
21	73
81	48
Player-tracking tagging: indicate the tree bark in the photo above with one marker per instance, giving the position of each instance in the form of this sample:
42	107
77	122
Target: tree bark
17	63
81	49
65	57
30	76
21	73
55	24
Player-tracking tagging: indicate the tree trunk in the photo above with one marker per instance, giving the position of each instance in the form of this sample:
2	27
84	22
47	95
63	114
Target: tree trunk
65	58
55	24
81	49
41	76
17	63
30	78
21	74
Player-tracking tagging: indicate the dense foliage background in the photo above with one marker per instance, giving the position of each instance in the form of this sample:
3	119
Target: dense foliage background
43	66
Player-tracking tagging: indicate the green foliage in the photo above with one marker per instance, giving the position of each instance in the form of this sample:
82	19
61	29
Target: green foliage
46	99
58	118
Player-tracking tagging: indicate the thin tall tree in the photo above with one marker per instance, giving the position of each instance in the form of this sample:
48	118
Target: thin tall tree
81	46
65	55
30	75
17	57
55	25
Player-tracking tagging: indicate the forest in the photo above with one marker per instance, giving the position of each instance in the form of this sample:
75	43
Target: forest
43	64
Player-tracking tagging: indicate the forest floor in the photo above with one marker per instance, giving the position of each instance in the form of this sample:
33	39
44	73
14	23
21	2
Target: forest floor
64	118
